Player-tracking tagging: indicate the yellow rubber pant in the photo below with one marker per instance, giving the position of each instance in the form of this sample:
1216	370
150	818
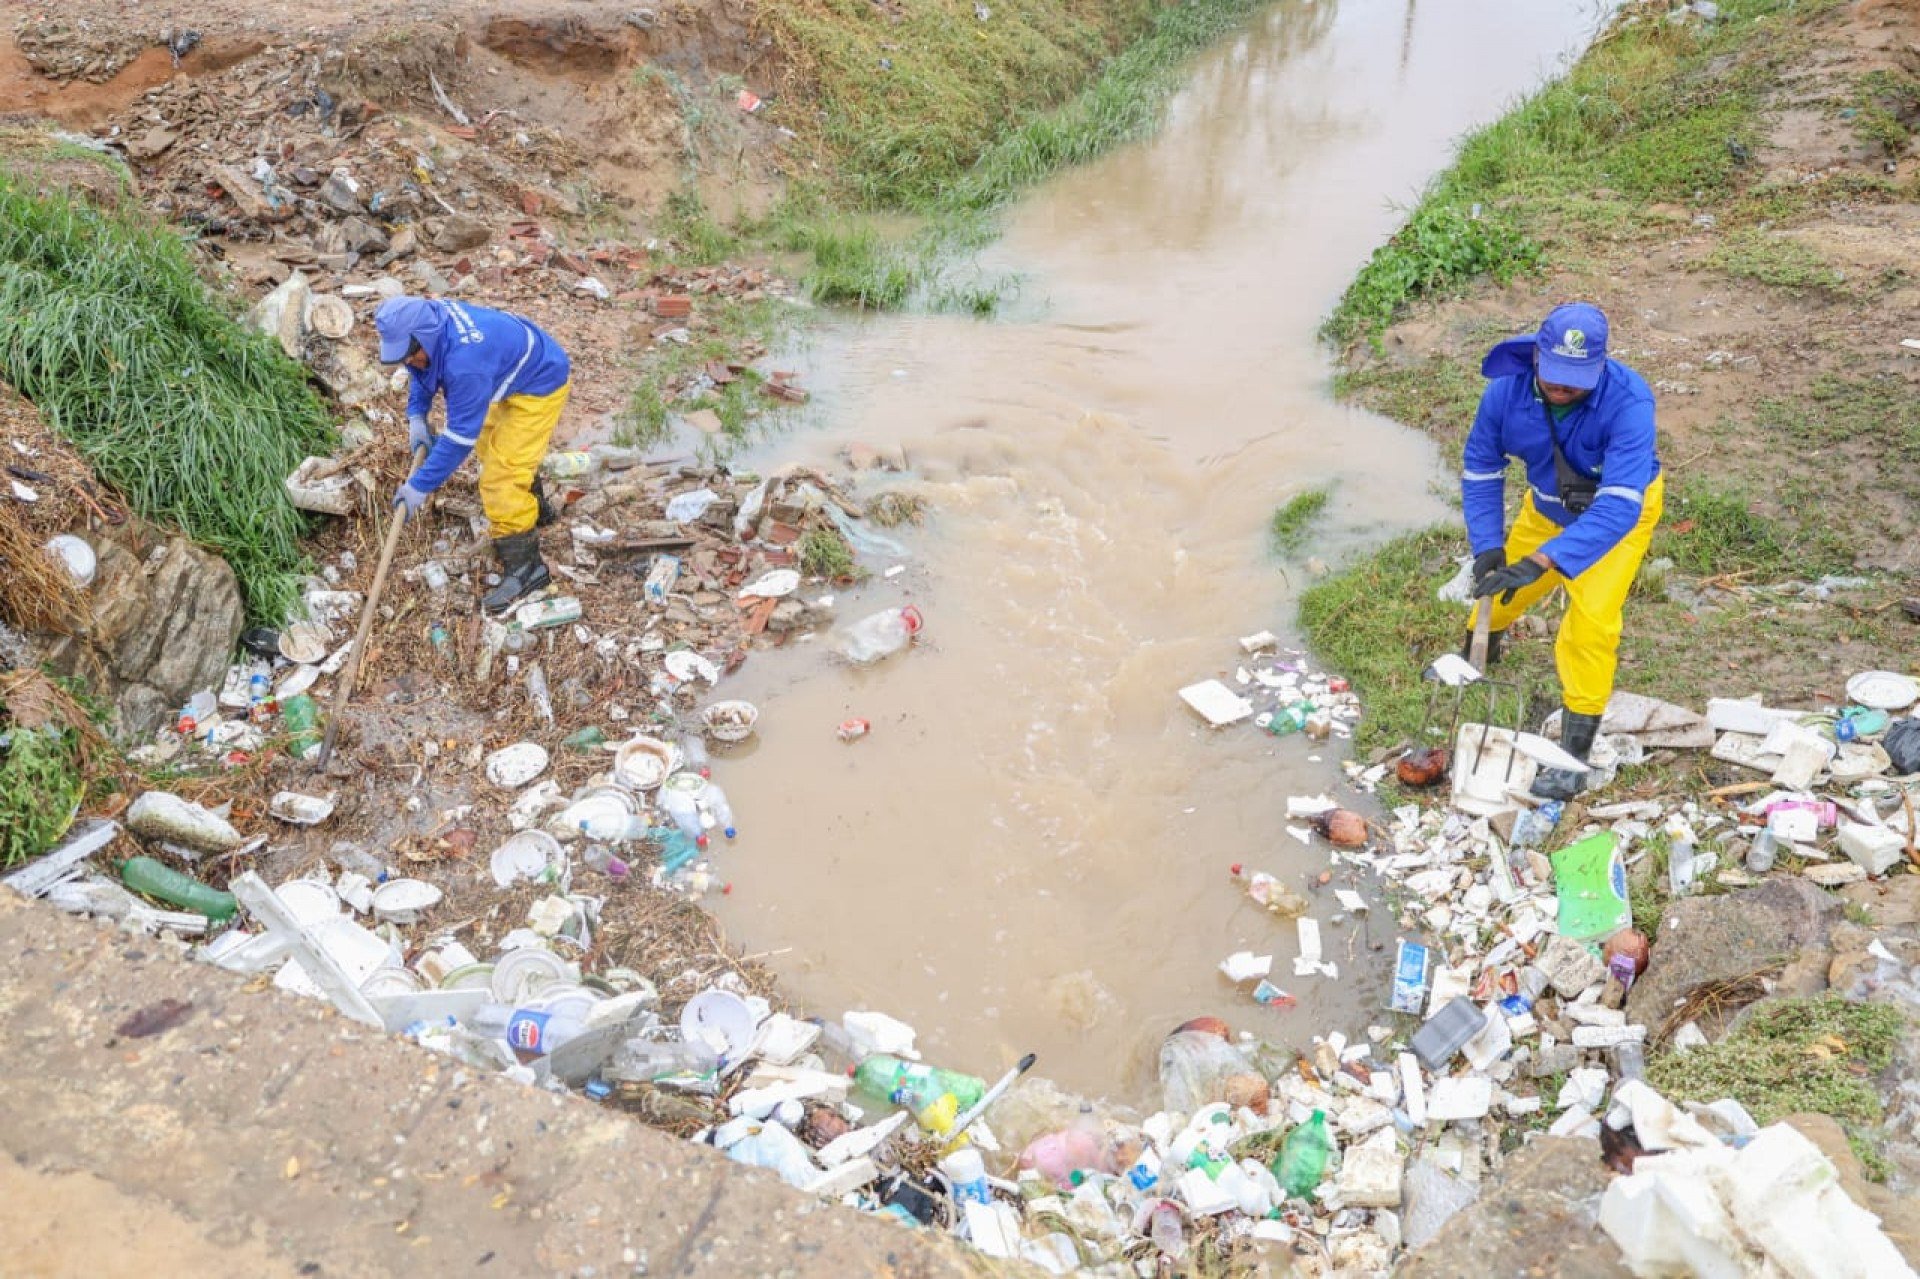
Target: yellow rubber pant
1588	647
512	441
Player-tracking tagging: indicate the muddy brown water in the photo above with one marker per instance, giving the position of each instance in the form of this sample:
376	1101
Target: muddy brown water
1030	850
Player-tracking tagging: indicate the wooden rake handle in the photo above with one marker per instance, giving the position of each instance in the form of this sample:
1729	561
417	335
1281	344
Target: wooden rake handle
351	675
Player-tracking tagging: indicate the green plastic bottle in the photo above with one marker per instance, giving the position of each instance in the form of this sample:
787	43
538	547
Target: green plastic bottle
916	1086
302	719
155	879
1304	1157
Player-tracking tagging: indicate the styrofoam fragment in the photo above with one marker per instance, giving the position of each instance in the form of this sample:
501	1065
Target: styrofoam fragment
1607	1036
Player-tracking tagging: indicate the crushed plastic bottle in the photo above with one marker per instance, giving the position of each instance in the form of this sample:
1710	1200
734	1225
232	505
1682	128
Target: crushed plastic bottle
1532	827
683	810
693	749
599	857
879	635
650	1060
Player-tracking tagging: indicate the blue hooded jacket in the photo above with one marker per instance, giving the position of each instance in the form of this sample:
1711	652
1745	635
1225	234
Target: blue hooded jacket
1608	437
480	357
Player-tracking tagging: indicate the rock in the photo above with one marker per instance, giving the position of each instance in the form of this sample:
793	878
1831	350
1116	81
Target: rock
341	193
349	372
362	236
456	232
1709	939
151	144
1555	1060
1836	874
1433	1195
281	314
1370	1172
1537	1219
1570	967
1892	904
160	631
403	241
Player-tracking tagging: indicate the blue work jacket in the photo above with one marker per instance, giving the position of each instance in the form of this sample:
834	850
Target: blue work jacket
480	358
1608	437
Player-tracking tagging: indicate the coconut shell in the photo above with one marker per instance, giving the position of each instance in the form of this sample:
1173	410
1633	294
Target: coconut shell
1423	767
1207	1026
1342	827
1250	1091
1631	943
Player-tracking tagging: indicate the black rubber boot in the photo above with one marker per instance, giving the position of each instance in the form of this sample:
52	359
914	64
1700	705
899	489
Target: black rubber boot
522	571
1576	738
1493	646
548	511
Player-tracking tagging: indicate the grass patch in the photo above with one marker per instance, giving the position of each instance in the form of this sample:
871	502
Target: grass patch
697	237
824	553
105	326
1438	395
1711	530
931	111
1790	1056
1378	623
671	378
1654	111
41	785
1295	516
1879	412
1773	259
1886	107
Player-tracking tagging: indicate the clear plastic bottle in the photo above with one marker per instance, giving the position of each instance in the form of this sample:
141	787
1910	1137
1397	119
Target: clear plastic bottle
647	1060
599	857
693	747
684	811
528	1031
1760	855
879	634
716	801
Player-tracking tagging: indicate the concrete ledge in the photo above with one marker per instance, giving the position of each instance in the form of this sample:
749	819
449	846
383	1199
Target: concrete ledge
273	1125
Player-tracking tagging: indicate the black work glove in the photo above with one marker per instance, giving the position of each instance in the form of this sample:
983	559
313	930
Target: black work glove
1504	582
1487	562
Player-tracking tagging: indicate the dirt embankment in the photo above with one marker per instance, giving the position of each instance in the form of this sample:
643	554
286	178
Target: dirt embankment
1769	313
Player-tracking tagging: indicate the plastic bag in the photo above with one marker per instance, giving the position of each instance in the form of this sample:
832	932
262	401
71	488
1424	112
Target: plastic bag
1902	744
1194	1065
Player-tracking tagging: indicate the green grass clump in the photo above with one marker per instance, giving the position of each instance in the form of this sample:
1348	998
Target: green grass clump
1437	395
41	784
1793	1056
107	329
1295	516
1878	413
1378	623
671	368
1777	260
824	553
697	237
1654	111
1709	530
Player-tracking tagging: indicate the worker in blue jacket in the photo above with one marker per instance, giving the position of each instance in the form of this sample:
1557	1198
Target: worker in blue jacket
1582	427
505	383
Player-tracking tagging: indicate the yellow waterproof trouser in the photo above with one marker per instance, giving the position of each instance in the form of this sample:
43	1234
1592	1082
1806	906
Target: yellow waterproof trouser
512	441
1588	647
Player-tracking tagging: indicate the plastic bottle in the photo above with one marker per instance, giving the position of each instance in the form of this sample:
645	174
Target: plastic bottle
880	634
528	1031
1765	847
302	719
202	709
259	688
1304	1157
684	811
1531	828
693	748
537	693
968	1173
915	1085
145	875
647	1060
599	857
716	801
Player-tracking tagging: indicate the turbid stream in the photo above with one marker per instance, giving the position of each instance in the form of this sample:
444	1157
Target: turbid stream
1030	851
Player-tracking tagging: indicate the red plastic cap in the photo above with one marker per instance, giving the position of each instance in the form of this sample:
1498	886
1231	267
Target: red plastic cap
1234	869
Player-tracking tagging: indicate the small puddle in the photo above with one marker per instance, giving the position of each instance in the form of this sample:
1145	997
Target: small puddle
1030	851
